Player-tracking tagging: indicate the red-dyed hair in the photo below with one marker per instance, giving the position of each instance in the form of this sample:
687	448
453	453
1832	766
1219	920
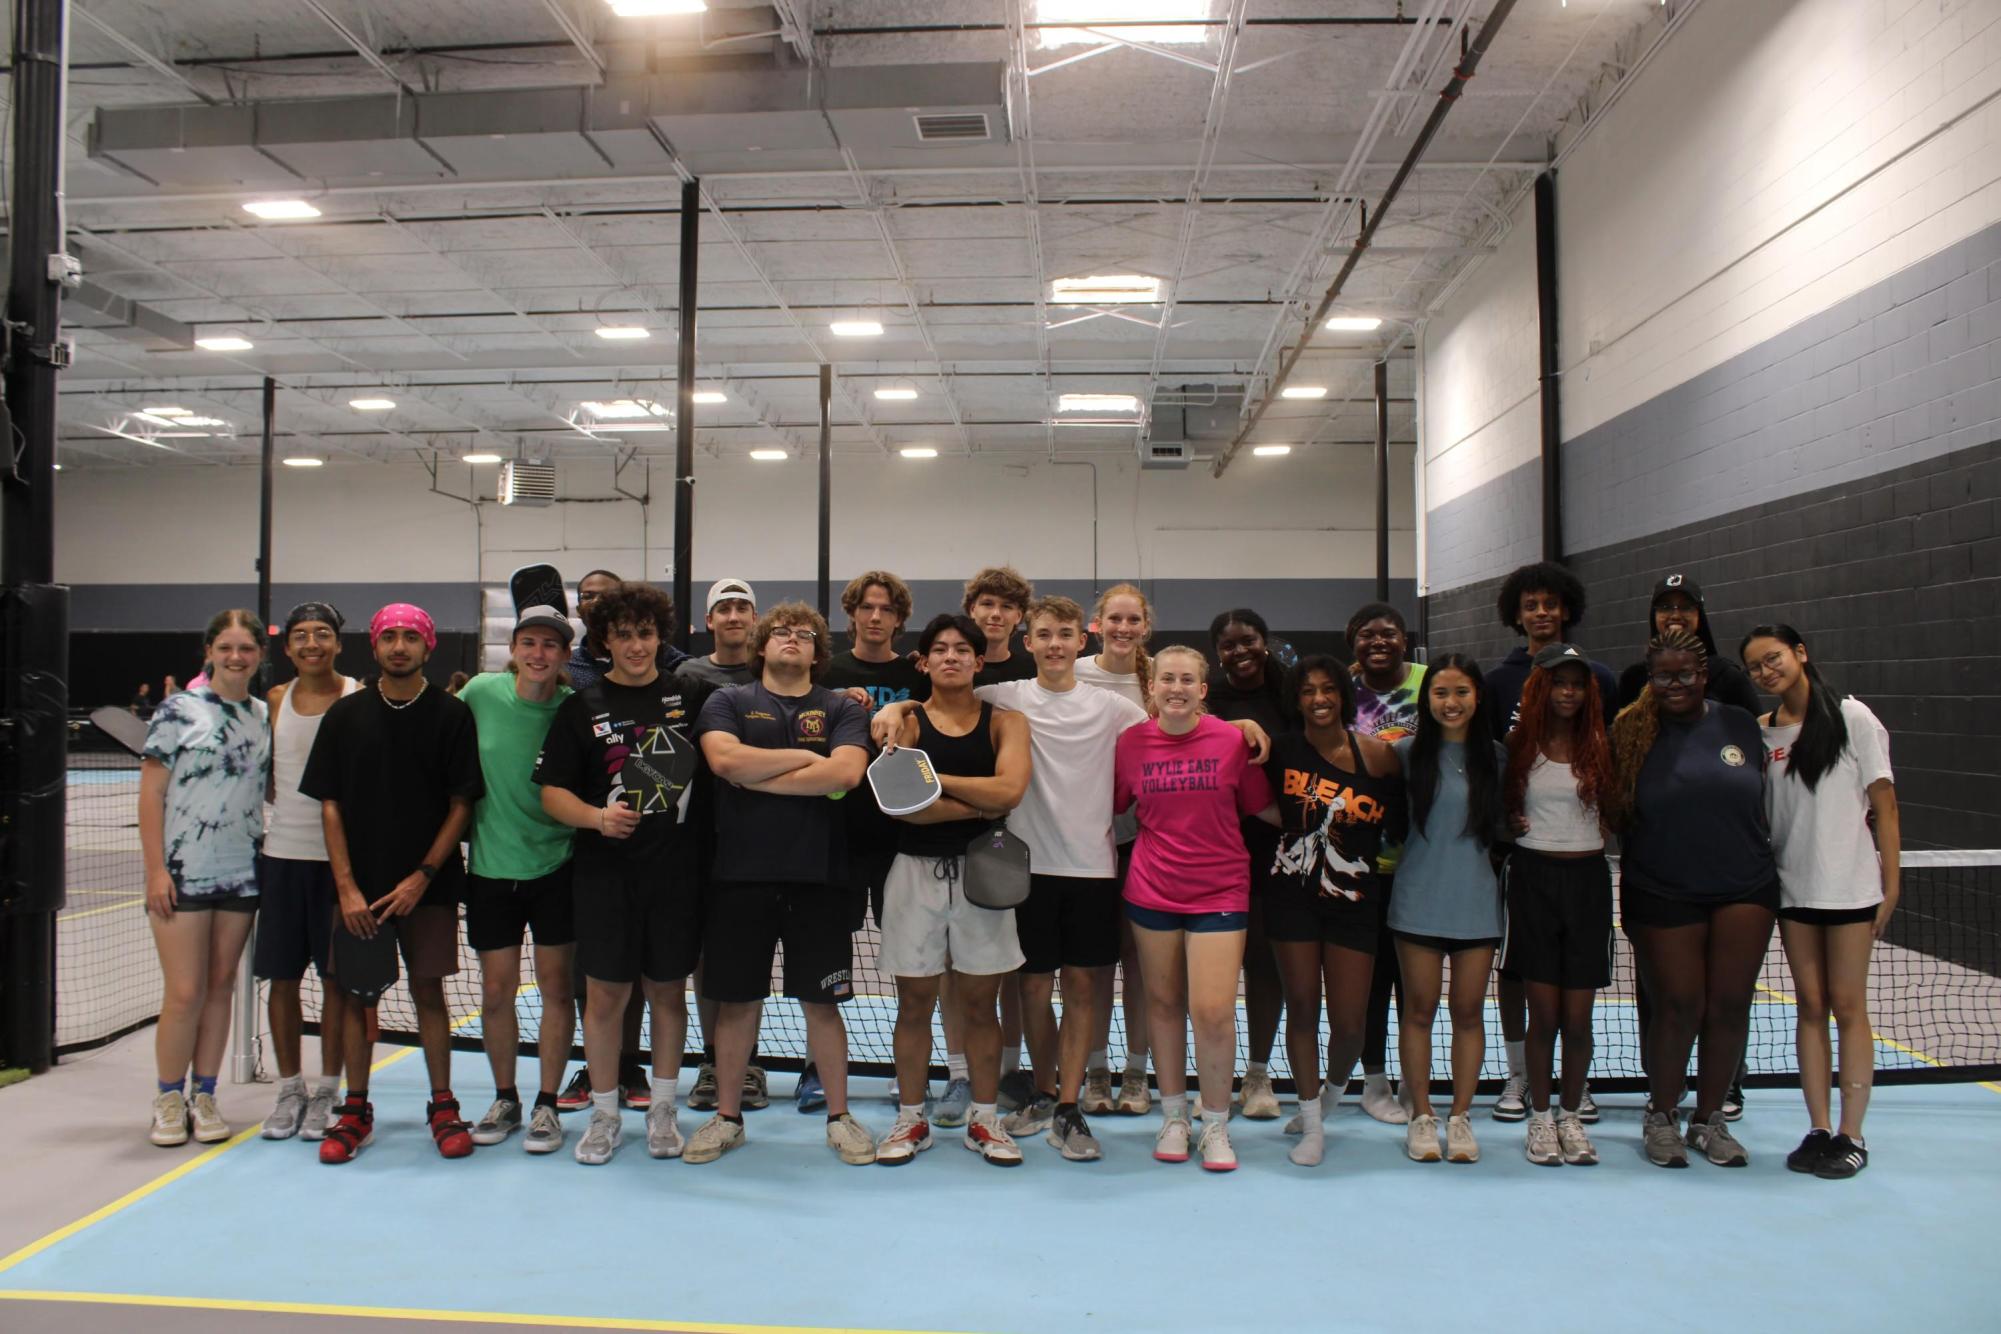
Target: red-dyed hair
1590	752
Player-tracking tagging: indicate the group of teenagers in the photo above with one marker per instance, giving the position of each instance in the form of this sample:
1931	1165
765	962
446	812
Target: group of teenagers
1329	833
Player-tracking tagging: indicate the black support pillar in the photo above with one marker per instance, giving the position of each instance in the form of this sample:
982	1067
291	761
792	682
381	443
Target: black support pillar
826	489
270	465
684	419
1382	481
1546	317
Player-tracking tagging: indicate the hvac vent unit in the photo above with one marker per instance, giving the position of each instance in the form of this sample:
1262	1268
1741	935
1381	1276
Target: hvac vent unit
960	127
1165	454
523	483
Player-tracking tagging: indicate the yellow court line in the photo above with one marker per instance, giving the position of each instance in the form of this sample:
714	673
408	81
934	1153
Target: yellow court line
93	912
461	1317
1886	1040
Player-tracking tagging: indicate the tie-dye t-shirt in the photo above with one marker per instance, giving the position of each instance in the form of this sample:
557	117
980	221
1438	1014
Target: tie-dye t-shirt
218	758
1392	715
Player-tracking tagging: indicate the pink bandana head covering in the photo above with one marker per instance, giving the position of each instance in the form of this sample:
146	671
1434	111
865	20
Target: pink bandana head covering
404	616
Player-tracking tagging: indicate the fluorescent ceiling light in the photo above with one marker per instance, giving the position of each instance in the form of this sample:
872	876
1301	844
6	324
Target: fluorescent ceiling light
855	329
623	332
58	467
278	210
1270	451
371	404
896	395
178	435
304	461
918	452
479	458
623	408
647	9
768	455
1303	391
1160	31
165	412
225	343
1105	290
711	396
1097	403
1354	324
629	428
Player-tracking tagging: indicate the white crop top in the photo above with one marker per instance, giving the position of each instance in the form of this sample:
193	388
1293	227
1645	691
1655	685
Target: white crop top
1558	821
294	832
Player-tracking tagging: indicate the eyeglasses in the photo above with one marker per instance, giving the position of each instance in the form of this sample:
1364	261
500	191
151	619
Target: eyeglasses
1771	662
320	636
781	633
1662	680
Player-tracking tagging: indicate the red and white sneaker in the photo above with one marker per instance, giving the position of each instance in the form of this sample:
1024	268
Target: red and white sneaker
452	1135
985	1137
910	1136
352	1131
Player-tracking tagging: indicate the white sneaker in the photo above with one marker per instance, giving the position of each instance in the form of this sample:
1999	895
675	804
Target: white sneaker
601	1138
1572	1142
1587	1110
320	1114
1460	1146
1380	1101
1217	1155
906	1139
210	1128
851	1139
1171	1144
545	1131
1543	1148
1259	1099
985	1137
288	1114
663	1130
1513	1104
1420	1139
712	1139
170	1119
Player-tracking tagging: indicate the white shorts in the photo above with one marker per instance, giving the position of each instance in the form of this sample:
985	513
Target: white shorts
928	926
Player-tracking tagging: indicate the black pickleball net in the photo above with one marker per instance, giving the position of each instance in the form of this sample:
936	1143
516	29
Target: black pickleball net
107	975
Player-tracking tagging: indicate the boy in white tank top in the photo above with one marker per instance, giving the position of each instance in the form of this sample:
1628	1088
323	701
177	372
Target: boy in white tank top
296	920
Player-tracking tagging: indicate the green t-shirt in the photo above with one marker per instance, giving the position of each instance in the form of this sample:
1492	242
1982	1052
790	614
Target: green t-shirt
512	838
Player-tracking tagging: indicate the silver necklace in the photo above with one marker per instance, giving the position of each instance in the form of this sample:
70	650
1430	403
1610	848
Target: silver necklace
422	686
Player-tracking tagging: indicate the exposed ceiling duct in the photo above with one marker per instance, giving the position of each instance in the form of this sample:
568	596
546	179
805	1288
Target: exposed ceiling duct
89	306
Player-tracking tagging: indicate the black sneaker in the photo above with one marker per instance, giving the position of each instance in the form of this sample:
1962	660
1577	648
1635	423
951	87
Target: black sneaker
1811	1151
576	1094
1844	1158
635	1089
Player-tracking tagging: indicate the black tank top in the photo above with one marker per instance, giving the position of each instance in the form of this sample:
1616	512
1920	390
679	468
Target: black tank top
968	756
1334	820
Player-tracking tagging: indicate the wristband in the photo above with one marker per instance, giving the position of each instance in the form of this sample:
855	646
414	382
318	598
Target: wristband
428	871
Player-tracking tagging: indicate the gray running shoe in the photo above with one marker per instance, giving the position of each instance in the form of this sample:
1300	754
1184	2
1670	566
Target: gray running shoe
1662	1139
663	1130
1513	1104
1713	1140
501	1120
756	1089
545	1131
1542	1146
1032	1117
954	1105
170	1119
601	1138
1578	1150
712	1139
320	1115
288	1114
1017	1090
1096	1099
1073	1139
1135	1097
702	1097
210	1128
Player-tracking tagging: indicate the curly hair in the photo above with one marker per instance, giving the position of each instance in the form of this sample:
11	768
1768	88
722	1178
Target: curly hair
793	614
1639	723
1590	752
858	587
1002	581
630	603
1142	661
1540	577
1336	671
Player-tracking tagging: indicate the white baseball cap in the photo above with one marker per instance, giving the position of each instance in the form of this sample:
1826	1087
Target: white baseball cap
722	590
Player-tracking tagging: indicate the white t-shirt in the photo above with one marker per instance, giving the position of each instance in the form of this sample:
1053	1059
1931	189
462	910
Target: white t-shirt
1125	828
1066	815
1826	857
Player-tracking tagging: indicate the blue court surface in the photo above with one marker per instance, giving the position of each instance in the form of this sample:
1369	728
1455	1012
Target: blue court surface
781	1235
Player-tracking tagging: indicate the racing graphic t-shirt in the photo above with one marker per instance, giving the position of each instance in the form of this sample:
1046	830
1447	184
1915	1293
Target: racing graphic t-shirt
761	836
635	743
1334	822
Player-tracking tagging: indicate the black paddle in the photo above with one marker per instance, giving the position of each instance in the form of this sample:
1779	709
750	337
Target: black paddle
362	968
538	586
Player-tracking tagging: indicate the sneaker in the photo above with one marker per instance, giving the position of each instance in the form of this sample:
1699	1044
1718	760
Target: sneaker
954	1105
170	1119
1806	1158
452	1136
1577	1148
910	1136
1587	1110
635	1090
1381	1103
288	1114
210	1128
985	1137
756	1089
1460	1146
809	1096
712	1139
1844	1158
1135	1096
352	1131
1662	1139
1542	1146
1032	1117
850	1139
1017	1090
702	1097
1733	1101
1171	1144
601	1138
545	1131
1071	1135
1217	1154
1260	1102
501	1120
576	1095
1513	1104
1096	1099
663	1130
1713	1140
321	1113
1420	1139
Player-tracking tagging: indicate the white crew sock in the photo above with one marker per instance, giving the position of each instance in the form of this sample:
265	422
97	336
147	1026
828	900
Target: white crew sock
1256	1069
1518	1059
1309	1117
1136	1062
1174	1104
904	1112
292	1084
985	1111
1215	1115
327	1084
955	1065
664	1088
1097	1060
604	1102
1011	1059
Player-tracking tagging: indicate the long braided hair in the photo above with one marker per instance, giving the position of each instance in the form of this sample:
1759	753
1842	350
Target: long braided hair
1639	724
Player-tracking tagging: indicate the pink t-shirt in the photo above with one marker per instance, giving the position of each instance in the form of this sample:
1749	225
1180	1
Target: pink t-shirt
1189	790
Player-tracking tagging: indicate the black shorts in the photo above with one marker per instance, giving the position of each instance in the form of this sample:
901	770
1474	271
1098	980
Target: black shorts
1068	921
215	902
297	921
1558	921
868	872
634	921
1639	906
1447	944
1830	916
1299	915
498	911
747	920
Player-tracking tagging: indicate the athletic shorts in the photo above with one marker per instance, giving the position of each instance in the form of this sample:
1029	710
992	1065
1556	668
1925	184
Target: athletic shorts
1068	921
427	938
1159	919
1447	944
215	902
868	874
1558	919
1300	915
297	921
635	921
1639	906
499	911
747	920
1830	916
928	926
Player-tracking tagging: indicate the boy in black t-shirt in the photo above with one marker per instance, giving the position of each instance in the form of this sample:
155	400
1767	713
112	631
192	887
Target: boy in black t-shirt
617	766
781	747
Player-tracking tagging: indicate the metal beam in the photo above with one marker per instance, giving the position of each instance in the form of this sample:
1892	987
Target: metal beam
361	47
574	31
826	530
141	54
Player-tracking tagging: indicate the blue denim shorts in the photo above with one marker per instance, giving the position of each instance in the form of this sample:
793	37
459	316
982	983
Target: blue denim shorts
1154	919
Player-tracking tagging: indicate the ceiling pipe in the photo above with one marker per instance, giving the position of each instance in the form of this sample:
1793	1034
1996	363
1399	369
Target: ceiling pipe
1446	97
